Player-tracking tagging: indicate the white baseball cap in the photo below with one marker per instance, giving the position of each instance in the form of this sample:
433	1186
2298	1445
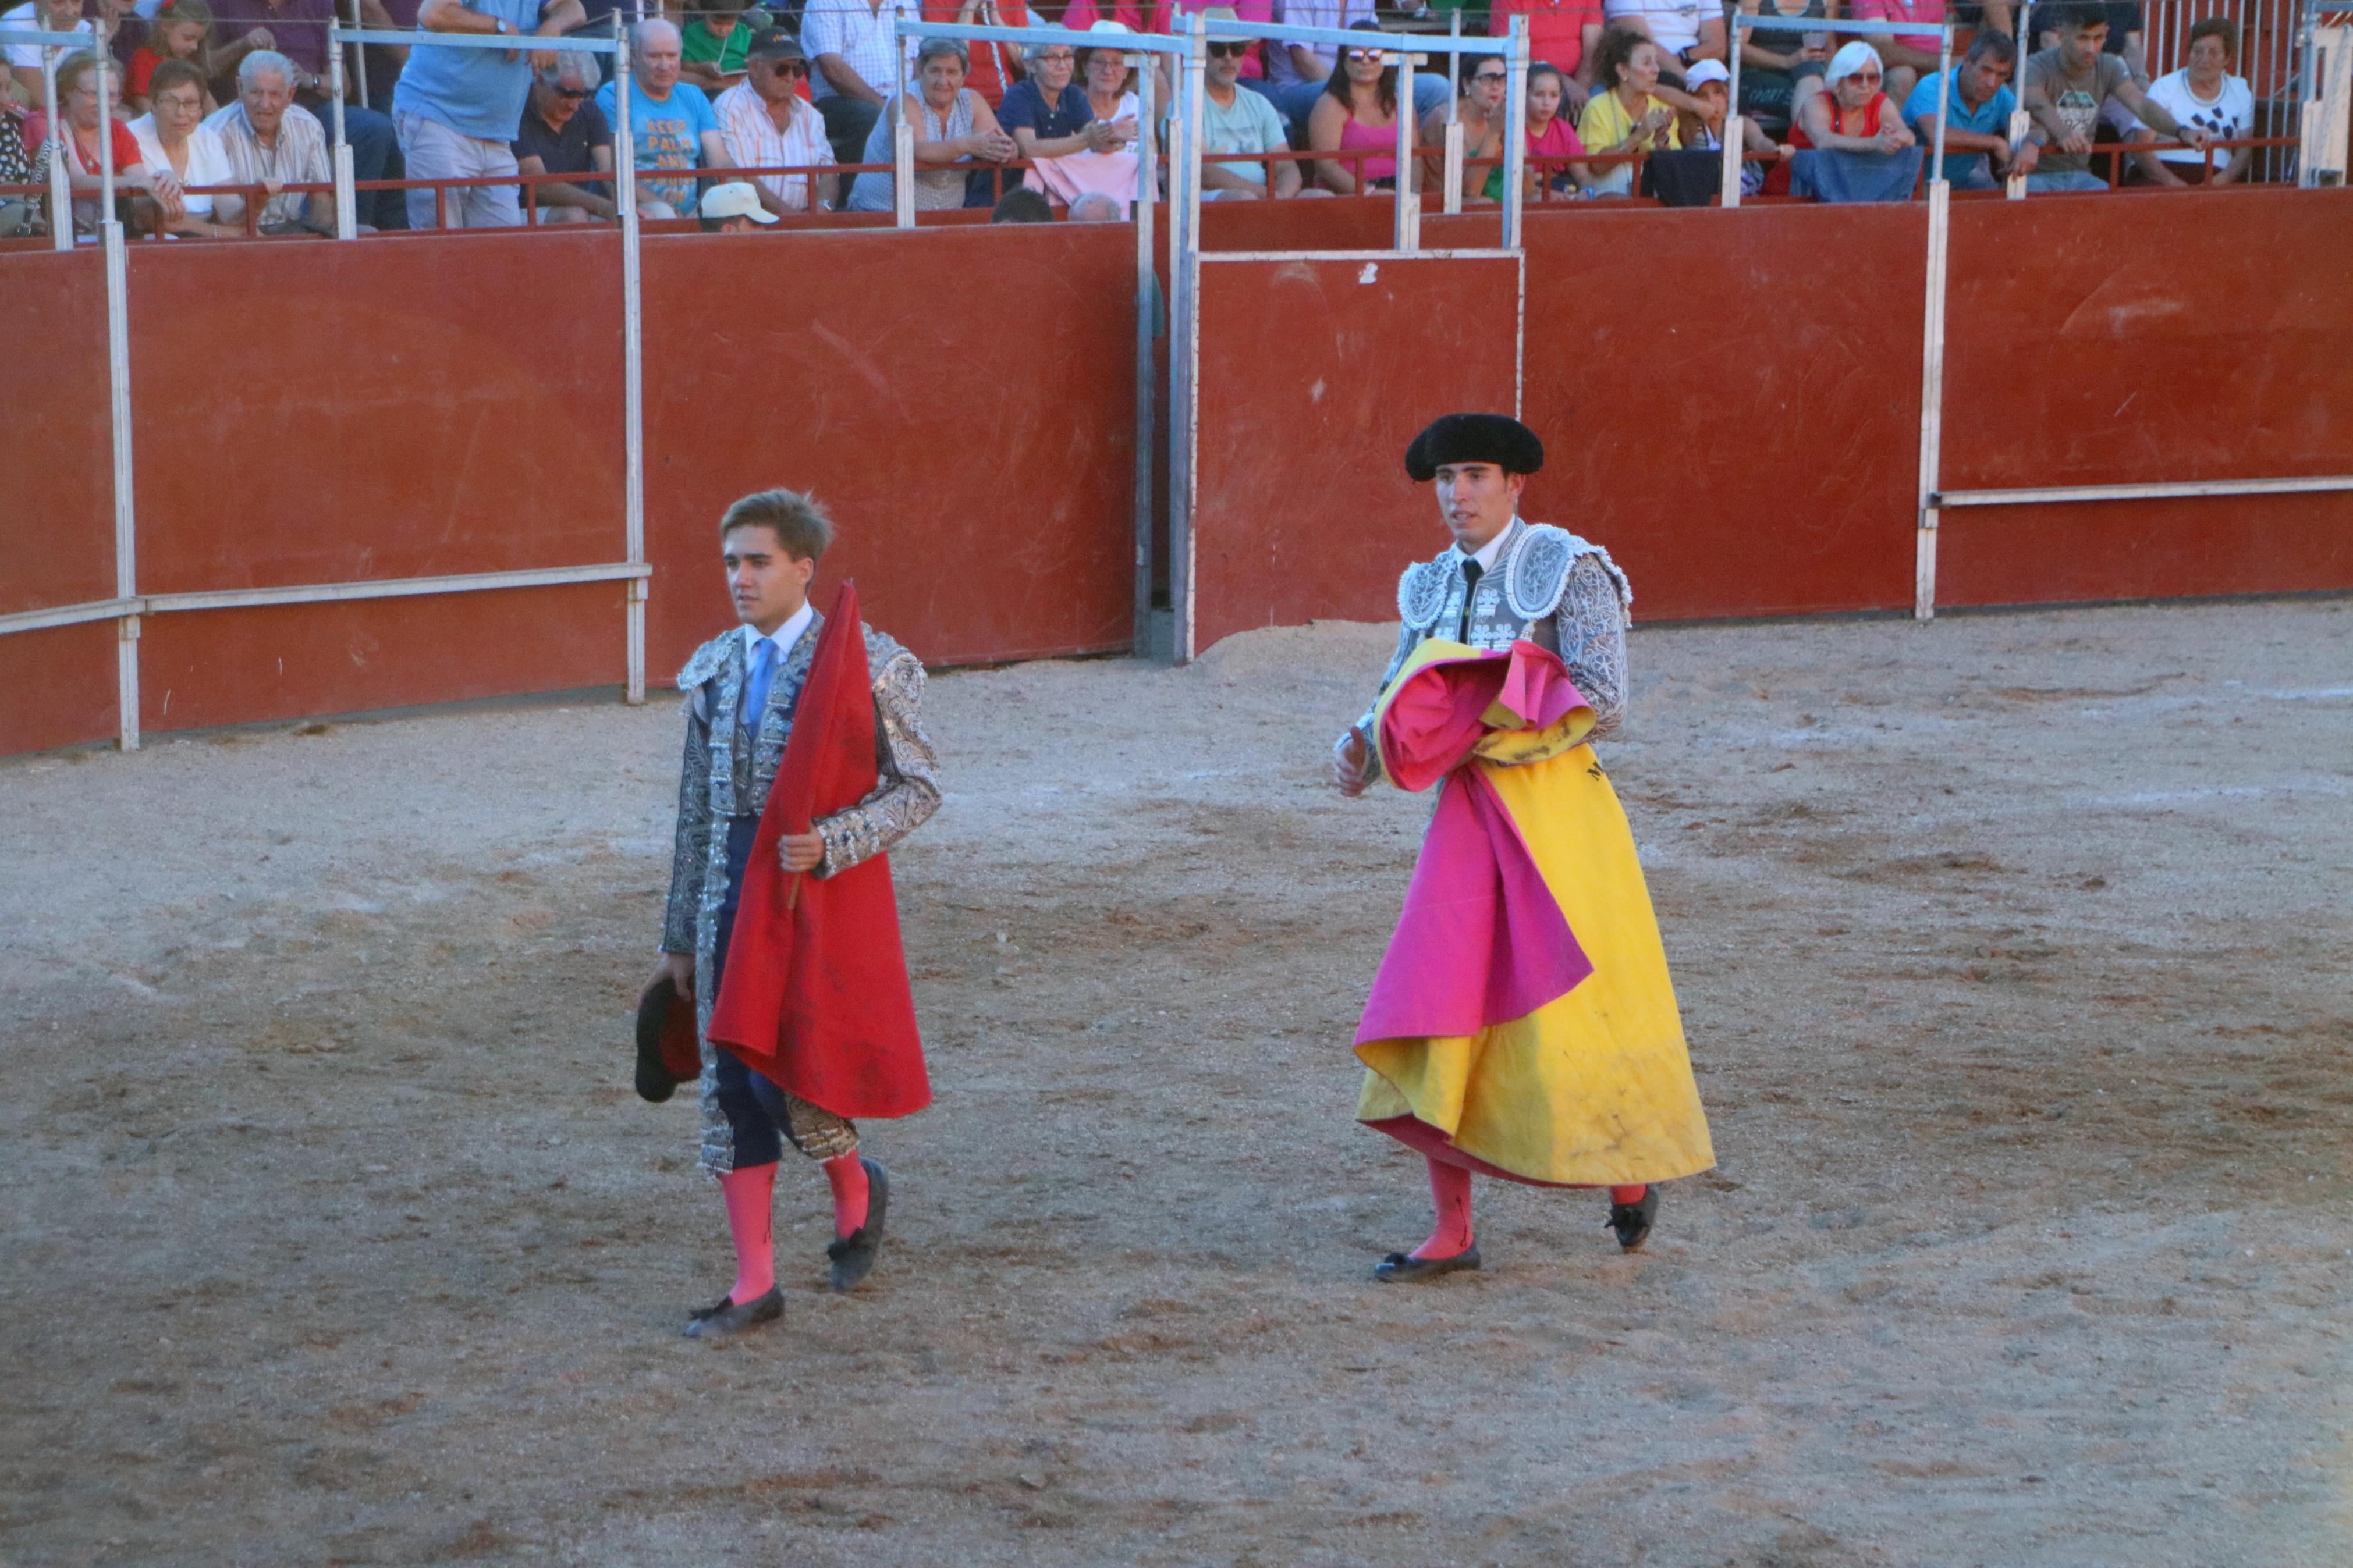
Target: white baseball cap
1706	71
735	199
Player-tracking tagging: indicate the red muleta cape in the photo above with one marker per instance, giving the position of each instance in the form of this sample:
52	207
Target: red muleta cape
815	998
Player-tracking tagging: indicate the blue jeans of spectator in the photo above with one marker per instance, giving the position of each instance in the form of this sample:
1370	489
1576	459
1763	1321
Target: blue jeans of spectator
2066	180
375	155
434	152
1977	177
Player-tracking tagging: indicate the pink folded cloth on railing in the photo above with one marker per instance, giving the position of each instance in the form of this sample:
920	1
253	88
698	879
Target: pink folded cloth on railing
1075	174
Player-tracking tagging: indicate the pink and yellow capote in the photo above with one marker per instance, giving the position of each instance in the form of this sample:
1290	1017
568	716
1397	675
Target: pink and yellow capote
1523	1022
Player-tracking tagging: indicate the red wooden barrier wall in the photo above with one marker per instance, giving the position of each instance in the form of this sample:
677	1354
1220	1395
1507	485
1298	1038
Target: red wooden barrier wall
57	525
962	398
1315	375
2095	343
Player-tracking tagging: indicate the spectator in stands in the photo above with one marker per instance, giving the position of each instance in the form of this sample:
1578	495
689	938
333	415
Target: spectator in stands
298	30
1480	111
1551	139
458	110
1176	19
861	62
1233	120
1358	111
1903	57
564	133
41	16
274	142
180	32
2206	95
1630	115
768	125
2067	87
1977	117
1295	73
733	208
1047	116
1022	204
1095	206
173	136
1773	62
86	155
1683	30
19	215
1858	148
1562	34
671	123
712	47
953	130
1711	84
995	66
1110	161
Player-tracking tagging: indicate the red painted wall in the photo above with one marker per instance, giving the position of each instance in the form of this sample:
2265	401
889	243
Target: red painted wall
2147	341
1315	375
963	400
1729	402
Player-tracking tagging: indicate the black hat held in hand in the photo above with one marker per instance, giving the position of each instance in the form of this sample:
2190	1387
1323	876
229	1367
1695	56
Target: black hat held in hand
1473	438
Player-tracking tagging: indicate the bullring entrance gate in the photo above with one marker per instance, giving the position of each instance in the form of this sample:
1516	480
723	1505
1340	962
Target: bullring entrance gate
1280	364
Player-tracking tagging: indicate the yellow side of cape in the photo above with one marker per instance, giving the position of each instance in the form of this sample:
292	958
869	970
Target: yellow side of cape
1594	1088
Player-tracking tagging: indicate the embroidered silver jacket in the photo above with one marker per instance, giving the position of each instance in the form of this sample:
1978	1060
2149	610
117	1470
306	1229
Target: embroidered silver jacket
1550	586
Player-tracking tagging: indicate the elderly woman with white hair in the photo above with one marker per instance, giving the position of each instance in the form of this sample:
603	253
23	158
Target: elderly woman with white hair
1856	147
954	129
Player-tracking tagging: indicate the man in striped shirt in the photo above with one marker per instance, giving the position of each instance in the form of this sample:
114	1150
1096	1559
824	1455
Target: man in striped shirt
860	61
767	126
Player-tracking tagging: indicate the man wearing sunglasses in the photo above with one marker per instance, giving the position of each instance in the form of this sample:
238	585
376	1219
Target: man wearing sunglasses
563	134
768	125
1233	120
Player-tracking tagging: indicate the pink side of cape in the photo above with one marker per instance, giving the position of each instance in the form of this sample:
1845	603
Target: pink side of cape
1482	939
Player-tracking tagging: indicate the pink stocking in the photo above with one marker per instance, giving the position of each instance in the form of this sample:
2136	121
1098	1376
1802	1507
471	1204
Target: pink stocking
846	1174
1449	1193
1632	1194
750	1194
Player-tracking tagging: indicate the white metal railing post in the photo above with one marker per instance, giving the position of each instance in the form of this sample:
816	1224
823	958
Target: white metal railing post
360	21
347	215
1515	130
1147	291
902	164
2322	132
1450	200
1183	347
2021	123
118	386
61	235
633	380
1931	399
1407	226
1736	132
1944	97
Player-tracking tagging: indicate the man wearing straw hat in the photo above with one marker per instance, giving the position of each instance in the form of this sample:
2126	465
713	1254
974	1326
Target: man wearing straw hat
1522	1024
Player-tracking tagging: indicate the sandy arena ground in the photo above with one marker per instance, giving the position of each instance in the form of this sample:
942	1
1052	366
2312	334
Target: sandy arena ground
2013	950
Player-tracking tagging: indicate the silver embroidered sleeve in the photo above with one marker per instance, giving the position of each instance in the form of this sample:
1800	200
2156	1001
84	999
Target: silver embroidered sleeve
1407	640
693	843
1591	621
908	790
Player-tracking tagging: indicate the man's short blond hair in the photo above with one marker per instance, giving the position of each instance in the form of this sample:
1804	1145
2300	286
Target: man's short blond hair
796	520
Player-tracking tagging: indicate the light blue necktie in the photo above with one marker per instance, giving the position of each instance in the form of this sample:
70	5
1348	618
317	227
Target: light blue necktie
756	684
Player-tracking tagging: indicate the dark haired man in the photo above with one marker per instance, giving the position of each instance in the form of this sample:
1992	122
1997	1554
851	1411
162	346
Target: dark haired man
1977	118
1523	1024
2067	87
743	689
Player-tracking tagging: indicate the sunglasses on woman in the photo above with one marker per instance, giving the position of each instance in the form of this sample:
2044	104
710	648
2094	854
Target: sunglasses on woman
1372	56
1226	51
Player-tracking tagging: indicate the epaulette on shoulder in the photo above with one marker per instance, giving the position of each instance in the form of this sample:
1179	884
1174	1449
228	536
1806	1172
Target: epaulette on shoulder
706	662
1422	594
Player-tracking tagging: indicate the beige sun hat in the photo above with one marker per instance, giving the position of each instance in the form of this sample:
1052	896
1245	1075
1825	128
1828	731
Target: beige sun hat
1124	31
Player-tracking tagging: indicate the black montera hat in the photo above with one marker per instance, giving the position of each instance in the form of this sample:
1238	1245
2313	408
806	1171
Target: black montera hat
1473	438
668	1051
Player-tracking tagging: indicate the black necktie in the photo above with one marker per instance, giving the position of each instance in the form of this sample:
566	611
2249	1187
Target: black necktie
1472	572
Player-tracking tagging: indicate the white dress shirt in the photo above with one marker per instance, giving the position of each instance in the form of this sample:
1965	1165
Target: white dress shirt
1487	555
784	637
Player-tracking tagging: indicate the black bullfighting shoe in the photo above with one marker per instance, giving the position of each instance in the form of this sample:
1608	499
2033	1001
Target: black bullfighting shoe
853	1255
1633	1221
729	1319
1401	1268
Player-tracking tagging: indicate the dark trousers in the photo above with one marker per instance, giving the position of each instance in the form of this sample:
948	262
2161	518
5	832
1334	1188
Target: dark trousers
375	155
849	122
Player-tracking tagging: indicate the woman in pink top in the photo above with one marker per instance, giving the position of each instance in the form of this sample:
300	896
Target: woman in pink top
1906	57
1358	108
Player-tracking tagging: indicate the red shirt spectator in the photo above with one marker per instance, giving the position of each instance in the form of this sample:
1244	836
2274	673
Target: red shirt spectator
995	66
1557	29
